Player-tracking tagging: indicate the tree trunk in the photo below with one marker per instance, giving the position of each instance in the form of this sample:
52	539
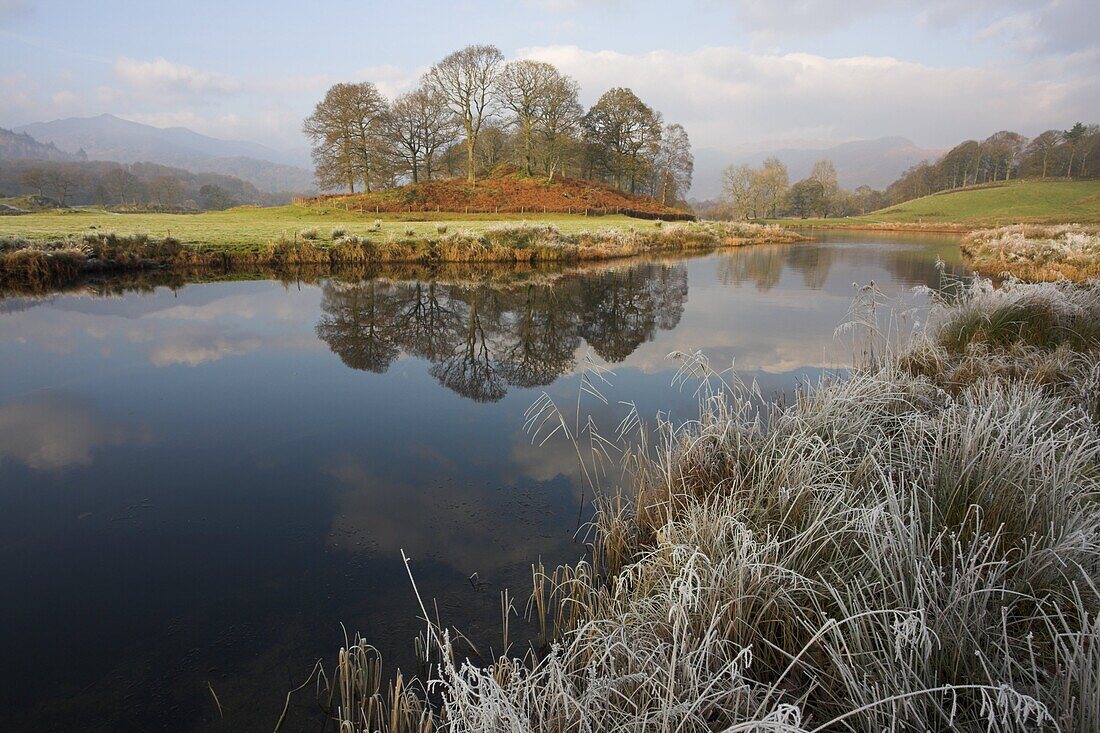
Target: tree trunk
469	151
527	147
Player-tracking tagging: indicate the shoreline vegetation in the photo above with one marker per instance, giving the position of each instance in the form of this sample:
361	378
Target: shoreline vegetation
1036	253
913	546
46	263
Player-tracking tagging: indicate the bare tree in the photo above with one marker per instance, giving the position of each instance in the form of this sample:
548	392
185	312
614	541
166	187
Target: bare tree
347	128
561	117
772	182
738	183
166	190
624	135
62	179
675	164
824	173
34	179
121	185
466	80
419	125
523	87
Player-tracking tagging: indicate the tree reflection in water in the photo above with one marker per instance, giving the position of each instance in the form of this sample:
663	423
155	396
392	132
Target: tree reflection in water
483	338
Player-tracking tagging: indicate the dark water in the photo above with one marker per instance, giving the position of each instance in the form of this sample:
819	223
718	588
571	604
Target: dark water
199	485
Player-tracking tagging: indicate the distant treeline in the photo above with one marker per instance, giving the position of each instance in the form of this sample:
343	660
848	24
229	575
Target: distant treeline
1003	156
134	185
766	192
752	193
472	113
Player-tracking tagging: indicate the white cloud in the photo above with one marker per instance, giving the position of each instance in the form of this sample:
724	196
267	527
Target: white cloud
726	95
163	77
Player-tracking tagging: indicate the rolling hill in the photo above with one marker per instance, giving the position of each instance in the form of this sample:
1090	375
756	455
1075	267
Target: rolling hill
1036	202
111	138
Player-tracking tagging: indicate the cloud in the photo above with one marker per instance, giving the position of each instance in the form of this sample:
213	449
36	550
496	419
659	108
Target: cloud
725	95
163	77
52	432
193	352
1032	26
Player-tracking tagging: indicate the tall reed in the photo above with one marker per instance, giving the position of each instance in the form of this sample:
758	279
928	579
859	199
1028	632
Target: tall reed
913	547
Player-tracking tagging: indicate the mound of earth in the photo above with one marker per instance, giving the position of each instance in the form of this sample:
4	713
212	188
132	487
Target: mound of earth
507	192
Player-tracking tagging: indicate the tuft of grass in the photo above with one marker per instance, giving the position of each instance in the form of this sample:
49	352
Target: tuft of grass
1037	253
339	233
311	234
883	554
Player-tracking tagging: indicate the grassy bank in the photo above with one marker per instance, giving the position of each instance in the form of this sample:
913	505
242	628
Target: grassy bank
1015	202
1037	253
246	227
54	261
914	547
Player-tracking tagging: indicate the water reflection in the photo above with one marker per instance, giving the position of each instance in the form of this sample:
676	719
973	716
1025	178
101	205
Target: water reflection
480	339
53	431
198	490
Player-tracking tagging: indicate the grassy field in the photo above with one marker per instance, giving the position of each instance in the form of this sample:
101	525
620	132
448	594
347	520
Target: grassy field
1018	202
247	227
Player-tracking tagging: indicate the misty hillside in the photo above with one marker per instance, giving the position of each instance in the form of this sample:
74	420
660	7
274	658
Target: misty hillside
106	137
21	146
875	163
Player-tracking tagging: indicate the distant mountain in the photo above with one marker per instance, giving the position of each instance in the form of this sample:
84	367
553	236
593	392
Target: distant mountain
262	174
16	146
107	137
875	163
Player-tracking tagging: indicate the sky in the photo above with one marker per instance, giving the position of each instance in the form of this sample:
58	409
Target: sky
737	75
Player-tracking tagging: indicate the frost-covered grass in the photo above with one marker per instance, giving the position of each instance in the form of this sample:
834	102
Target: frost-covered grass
905	549
1038	253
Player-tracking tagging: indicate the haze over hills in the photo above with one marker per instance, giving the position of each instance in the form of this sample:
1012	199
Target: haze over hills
875	163
21	146
106	137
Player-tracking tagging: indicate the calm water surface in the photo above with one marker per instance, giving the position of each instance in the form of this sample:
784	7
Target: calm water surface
199	485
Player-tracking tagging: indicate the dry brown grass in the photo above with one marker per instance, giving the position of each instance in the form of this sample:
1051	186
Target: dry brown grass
1035	253
883	554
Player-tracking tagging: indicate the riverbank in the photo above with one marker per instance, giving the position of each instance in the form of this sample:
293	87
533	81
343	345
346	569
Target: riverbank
912	546
51	262
1037	253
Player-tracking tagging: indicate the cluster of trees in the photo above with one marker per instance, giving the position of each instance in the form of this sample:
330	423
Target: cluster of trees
481	340
136	185
751	193
473	112
1003	156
